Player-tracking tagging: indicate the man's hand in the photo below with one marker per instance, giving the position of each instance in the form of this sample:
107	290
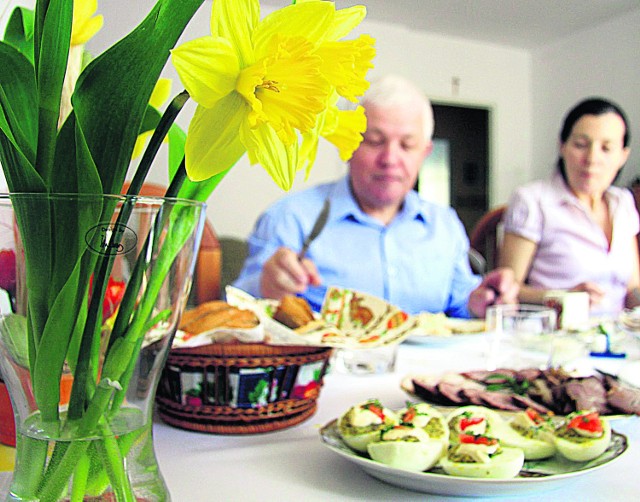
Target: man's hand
498	287
283	274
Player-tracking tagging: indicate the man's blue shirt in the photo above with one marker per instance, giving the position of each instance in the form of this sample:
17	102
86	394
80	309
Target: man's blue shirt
417	262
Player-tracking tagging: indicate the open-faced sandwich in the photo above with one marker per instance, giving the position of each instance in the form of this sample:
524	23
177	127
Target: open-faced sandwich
583	436
363	423
406	447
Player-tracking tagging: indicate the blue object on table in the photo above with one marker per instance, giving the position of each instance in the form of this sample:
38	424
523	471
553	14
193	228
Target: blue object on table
314	296
607	350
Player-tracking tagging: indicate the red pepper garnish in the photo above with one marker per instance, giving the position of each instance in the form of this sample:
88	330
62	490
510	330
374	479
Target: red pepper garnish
397	320
376	409
467	422
534	416
477	439
589	422
409	415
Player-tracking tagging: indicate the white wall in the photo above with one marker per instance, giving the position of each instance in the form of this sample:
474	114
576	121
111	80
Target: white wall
491	76
600	61
527	93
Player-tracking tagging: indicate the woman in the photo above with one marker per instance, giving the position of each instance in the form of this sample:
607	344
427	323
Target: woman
576	231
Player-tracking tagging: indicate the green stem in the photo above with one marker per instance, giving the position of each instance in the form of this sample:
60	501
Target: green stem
80	477
56	481
31	455
160	132
114	465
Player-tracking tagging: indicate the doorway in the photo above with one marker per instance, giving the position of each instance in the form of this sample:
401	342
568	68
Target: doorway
459	164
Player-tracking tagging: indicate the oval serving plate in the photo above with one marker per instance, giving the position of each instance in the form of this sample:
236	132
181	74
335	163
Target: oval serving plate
535	476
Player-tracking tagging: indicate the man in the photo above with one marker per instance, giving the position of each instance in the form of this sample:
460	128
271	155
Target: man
381	237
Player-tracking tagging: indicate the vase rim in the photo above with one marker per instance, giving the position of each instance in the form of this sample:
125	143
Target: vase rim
153	199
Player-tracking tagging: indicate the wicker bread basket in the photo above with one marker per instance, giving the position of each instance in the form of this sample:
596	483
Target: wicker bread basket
241	388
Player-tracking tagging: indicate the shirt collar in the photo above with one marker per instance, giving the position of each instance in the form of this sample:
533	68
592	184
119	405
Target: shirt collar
565	195
344	205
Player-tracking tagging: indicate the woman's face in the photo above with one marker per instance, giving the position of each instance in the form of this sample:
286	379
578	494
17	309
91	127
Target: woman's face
594	153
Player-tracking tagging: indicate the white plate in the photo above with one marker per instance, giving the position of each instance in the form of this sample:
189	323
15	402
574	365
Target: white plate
437	329
535	476
442	340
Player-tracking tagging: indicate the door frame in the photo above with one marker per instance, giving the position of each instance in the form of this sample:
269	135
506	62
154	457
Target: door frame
491	109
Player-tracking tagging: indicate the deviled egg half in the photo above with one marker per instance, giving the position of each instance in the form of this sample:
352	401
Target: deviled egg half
361	424
583	436
427	418
531	432
406	447
481	456
474	420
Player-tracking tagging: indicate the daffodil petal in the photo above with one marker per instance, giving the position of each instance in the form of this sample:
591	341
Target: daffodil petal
309	19
344	21
161	92
84	26
347	133
141	141
236	21
208	68
346	63
308	151
294	91
265	148
213	141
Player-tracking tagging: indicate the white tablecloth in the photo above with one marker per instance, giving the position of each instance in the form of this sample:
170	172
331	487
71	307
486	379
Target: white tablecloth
293	464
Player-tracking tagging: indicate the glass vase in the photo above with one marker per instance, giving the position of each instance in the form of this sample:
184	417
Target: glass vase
98	288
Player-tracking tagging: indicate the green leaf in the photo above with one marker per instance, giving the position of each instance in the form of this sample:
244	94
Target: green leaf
13	330
113	92
19	32
51	65
18	117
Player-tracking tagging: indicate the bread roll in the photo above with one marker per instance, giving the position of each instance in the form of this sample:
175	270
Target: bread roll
217	314
293	312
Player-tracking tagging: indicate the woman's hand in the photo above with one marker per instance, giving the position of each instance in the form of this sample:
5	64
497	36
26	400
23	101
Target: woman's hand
596	293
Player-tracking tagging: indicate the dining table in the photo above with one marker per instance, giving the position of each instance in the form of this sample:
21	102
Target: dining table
294	464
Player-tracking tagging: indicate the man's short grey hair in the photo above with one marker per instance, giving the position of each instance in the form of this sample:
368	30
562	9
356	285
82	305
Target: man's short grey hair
393	90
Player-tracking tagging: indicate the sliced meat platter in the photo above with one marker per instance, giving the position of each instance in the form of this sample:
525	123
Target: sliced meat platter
552	390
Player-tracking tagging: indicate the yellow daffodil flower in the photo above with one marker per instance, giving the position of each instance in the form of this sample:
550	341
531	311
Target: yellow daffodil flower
159	96
261	85
85	24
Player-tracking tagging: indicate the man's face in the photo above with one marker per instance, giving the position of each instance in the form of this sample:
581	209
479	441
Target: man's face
385	166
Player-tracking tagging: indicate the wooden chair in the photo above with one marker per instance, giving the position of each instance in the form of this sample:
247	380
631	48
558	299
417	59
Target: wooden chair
635	190
485	238
207	272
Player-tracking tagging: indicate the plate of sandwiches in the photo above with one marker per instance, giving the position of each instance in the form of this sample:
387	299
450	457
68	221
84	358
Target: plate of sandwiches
438	328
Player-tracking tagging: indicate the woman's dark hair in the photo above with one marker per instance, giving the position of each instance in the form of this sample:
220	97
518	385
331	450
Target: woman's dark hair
590	106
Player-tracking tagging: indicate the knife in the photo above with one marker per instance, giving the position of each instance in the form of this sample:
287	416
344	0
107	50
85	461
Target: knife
319	224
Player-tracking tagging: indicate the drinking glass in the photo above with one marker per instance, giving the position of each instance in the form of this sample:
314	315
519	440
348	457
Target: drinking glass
520	335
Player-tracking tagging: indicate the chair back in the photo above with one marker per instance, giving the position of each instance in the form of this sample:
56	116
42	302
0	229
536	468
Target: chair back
207	272
486	237
635	190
